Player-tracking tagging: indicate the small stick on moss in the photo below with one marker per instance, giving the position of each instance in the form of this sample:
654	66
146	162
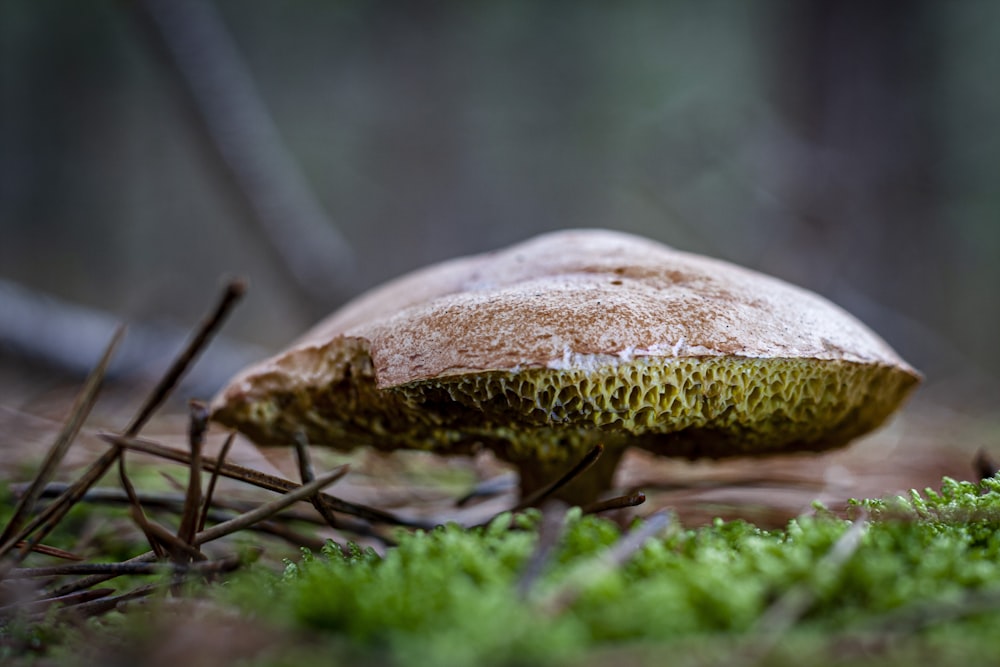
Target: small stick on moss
617	503
173	502
488	488
231	470
216	512
95	579
40	606
179	551
137	513
589	459
39	527
104	605
307	475
271	508
52	551
78	414
238	523
262	480
986	466
233	291
782	615
550	533
302	458
43	524
611	558
210	492
192	500
127	568
175	484
231	294
293	537
921	615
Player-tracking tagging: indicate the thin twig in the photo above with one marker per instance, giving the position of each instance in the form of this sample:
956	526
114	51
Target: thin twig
78	414
550	533
230	470
293	537
124	569
489	488
589	459
307	474
210	492
192	500
262	480
137	513
782	615
173	502
218	511
918	616
103	605
232	293
40	527
179	551
174	484
616	503
39	606
986	466
95	579
238	523
269	509
46	550
612	558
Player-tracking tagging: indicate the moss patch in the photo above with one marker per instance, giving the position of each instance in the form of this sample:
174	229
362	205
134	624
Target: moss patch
922	586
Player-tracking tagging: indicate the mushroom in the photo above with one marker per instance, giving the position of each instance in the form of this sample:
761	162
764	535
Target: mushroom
573	338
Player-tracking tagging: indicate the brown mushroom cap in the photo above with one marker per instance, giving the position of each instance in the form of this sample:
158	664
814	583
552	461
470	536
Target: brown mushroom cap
571	338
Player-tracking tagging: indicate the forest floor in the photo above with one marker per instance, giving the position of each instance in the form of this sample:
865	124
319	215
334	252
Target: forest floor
924	444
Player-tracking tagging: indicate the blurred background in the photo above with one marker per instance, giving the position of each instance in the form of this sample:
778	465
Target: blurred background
149	147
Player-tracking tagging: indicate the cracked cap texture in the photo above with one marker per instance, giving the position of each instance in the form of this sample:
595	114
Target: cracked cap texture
544	348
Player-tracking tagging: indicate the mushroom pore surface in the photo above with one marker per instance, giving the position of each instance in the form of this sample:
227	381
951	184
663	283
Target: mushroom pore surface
573	338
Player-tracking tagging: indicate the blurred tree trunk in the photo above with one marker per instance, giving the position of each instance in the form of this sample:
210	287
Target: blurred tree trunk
854	85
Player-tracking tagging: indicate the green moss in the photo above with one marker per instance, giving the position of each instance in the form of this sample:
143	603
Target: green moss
921	587
449	596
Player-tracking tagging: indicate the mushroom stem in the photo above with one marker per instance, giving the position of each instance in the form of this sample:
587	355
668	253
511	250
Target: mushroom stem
583	489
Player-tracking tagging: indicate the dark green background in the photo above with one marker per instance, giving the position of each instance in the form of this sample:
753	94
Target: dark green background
850	147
